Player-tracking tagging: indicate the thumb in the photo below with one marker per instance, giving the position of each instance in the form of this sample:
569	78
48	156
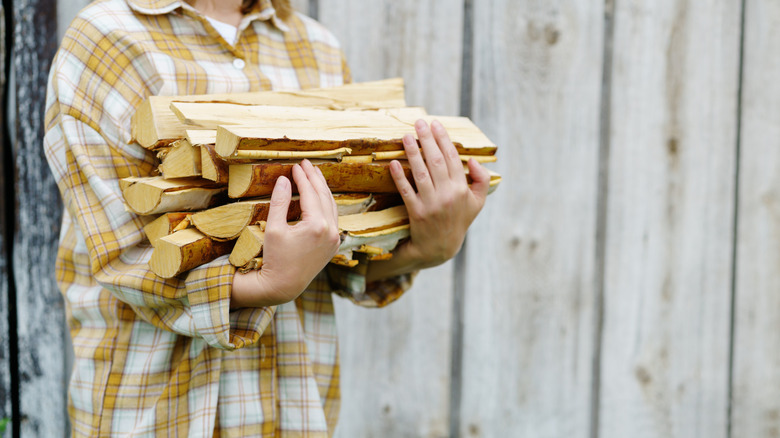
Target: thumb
280	202
480	180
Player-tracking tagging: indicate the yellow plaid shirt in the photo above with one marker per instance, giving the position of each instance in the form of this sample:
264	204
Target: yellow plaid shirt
157	357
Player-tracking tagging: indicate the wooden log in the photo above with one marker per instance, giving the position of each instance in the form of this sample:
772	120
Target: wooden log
184	250
181	160
154	125
200	137
401	155
258	179
363	134
371	221
153	195
166	224
227	221
213	167
207	115
248	246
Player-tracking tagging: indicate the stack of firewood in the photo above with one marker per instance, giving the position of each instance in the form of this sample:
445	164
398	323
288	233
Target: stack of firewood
220	156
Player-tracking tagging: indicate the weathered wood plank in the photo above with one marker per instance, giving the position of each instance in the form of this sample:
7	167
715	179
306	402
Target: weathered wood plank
756	358
5	181
667	285
41	326
529	319
396	362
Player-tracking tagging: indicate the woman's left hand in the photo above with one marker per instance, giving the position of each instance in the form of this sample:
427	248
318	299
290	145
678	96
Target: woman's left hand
444	205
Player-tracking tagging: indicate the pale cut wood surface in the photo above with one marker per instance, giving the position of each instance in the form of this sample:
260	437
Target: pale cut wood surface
530	272
756	363
395	375
667	287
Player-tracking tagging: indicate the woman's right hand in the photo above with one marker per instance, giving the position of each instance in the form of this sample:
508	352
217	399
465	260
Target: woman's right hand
292	254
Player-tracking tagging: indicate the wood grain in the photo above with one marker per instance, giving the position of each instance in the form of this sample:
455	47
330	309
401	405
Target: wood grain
667	287
40	309
756	363
529	319
6	181
395	375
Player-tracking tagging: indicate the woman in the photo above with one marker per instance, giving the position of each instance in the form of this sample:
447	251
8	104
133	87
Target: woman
214	352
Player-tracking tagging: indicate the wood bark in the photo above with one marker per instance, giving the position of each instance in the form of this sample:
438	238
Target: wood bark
154	124
247	180
40	311
184	250
154	195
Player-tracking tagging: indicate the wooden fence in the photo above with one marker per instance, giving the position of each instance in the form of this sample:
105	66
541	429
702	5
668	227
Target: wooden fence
623	281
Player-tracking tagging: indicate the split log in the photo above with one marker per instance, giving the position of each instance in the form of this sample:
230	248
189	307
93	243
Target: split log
205	115
227	221
154	125
248	246
184	250
213	167
153	195
371	221
361	133
401	155
182	160
166	224
258	179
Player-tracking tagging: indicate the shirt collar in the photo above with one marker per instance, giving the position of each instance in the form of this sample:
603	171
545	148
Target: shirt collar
262	11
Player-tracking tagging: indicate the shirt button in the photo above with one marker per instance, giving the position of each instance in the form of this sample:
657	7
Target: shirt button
239	63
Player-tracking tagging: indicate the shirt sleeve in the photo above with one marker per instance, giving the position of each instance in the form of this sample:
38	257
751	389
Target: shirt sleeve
88	149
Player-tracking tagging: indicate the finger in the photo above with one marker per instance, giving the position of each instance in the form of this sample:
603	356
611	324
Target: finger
451	156
480	180
310	204
319	184
422	179
330	199
433	156
280	203
411	200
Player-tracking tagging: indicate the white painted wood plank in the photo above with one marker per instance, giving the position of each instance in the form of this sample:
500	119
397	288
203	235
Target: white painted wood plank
5	241
396	361
665	348
756	397
529	324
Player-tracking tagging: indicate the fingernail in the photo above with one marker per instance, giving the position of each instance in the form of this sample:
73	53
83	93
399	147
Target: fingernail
282	182
436	125
408	139
306	161
420	124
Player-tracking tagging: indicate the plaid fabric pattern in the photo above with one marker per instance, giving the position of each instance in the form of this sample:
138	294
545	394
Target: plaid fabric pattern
157	357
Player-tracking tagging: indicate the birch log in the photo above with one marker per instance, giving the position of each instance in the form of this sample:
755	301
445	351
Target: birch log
407	391
40	309
529	320
756	359
667	287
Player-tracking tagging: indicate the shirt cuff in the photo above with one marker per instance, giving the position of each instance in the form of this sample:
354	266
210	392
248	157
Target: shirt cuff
351	283
208	289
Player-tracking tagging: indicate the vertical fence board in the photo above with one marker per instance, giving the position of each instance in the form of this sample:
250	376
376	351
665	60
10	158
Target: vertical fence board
5	347
41	327
529	320
756	362
665	345
396	361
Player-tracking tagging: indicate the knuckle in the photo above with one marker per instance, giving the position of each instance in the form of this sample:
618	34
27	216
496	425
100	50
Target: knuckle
437	160
421	175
